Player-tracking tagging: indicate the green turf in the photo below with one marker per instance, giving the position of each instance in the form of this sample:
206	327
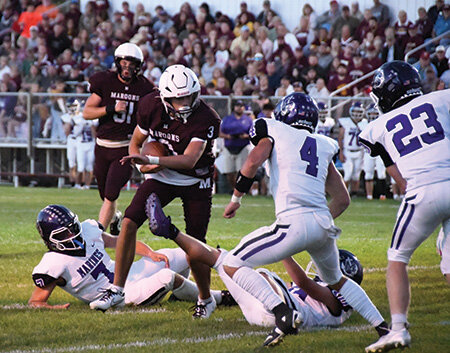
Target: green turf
168	327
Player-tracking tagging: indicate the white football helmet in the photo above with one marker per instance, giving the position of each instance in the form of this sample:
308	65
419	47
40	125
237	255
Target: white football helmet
175	82
130	52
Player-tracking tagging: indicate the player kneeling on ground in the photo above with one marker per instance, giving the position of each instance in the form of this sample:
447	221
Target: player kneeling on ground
78	263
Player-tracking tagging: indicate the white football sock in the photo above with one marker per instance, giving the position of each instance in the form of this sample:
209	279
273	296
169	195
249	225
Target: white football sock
357	298
252	282
187	291
117	288
399	321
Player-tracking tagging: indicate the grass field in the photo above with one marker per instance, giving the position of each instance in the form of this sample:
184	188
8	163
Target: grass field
168	327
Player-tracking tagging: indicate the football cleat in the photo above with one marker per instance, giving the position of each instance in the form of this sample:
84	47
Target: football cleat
287	324
227	299
204	310
158	222
116	223
110	298
394	339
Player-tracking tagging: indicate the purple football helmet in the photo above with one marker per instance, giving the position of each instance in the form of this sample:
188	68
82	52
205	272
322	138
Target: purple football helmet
298	110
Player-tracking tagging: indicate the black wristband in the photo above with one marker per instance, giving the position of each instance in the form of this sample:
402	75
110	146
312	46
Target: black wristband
110	109
243	183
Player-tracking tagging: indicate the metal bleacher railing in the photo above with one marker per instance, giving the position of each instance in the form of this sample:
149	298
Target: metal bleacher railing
27	153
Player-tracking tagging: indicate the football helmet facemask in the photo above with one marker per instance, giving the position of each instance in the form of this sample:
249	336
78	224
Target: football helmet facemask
73	106
372	112
298	110
395	83
175	82
349	264
132	53
357	111
323	111
60	229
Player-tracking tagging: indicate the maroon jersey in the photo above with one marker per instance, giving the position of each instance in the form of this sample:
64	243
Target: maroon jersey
106	84
203	124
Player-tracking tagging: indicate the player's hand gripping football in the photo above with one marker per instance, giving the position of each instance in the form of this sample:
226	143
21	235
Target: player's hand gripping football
135	159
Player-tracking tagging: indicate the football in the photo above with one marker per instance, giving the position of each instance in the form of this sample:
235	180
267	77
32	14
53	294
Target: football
156	149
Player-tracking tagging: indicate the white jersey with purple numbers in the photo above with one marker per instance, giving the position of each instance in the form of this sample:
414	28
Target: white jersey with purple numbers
298	167
86	276
315	313
417	138
352	130
325	127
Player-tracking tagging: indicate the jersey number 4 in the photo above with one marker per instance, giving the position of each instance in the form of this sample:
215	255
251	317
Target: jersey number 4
308	153
412	144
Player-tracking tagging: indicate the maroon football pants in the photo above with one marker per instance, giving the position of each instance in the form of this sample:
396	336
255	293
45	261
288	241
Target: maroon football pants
110	174
196	201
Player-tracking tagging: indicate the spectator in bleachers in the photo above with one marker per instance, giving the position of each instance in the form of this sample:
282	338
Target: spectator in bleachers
313	63
242	20
264	87
263	16
106	59
424	23
442	24
324	58
335	48
211	90
381	13
304	34
238	87
7	104
363	26
33	77
372	58
430	81
48	8
285	37
285	87
251	79
243	41
328	17
346	36
272	26
344	19
27	19
433	11
58	41
309	15
225	30
356	12
424	63
440	61
88	19
401	28
392	50
319	91
74	13
300	59
339	80
209	65
414	40
358	68
262	36
223	86
4	67
7	18
127	12
17	125
163	24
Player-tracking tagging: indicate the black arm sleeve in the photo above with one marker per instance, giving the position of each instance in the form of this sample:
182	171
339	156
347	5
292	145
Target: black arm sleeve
377	149
42	280
258	131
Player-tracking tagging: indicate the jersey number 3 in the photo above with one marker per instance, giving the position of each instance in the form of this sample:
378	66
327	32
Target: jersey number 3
308	153
414	143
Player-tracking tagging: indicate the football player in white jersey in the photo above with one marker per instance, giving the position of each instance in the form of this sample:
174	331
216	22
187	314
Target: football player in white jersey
443	249
78	263
318	304
301	170
72	128
85	151
373	163
325	124
351	151
413	139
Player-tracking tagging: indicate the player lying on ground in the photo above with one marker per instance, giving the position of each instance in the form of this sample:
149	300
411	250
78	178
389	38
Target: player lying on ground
78	263
318	303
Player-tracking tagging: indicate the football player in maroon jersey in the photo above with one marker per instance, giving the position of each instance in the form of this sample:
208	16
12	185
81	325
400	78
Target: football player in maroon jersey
114	101
176	117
